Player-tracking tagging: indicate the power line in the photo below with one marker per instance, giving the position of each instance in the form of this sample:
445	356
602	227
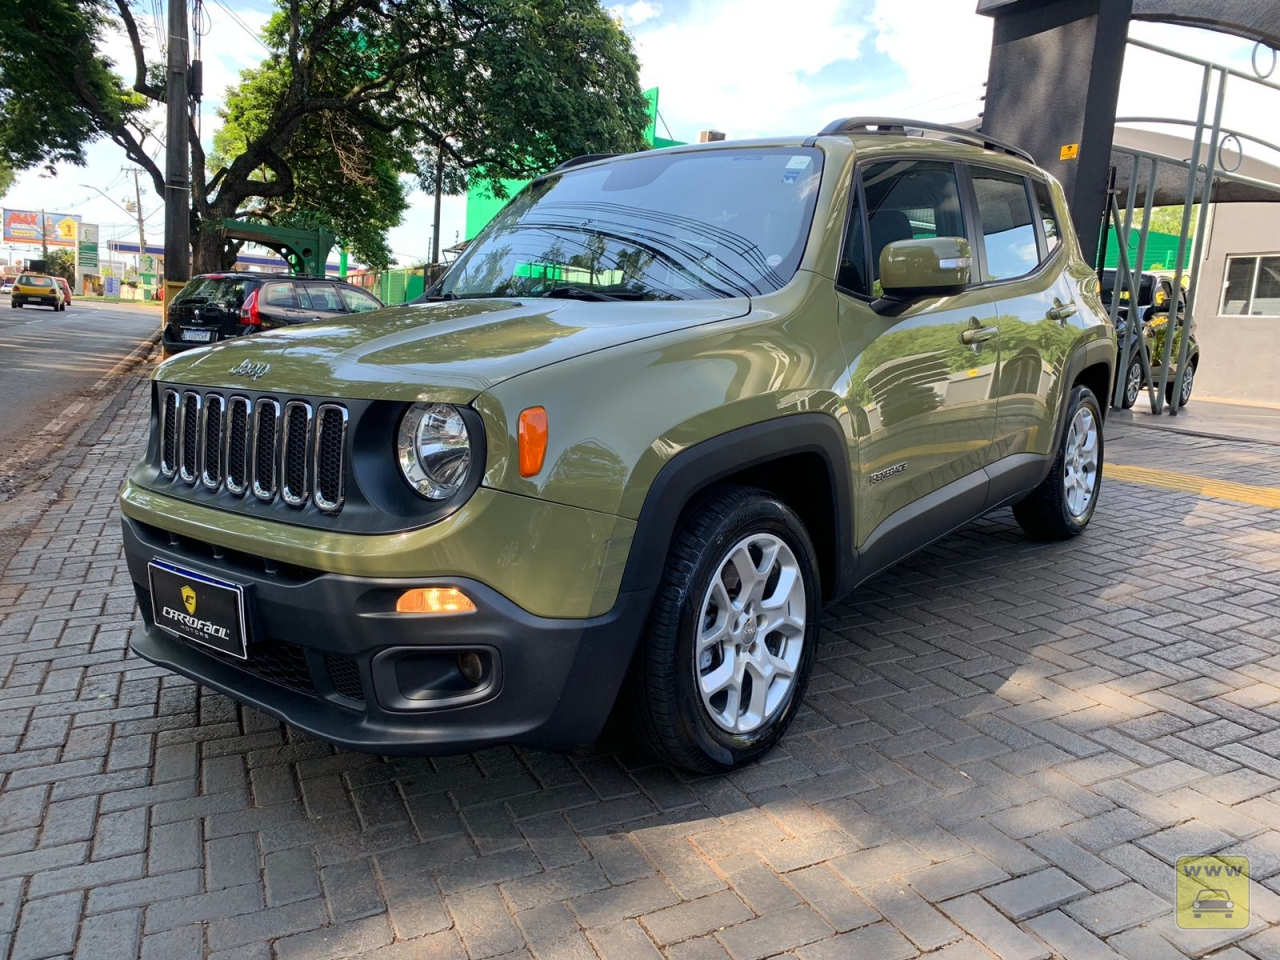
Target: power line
243	26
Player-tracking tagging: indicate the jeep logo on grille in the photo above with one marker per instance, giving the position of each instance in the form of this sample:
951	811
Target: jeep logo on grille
253	371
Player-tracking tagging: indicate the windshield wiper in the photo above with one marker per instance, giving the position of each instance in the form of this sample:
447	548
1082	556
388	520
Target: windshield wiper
569	292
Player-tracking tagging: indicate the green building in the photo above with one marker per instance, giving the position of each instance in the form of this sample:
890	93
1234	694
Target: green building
483	206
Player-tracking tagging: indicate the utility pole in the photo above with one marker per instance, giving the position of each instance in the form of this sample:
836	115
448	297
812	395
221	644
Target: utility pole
435	228
142	230
177	185
44	236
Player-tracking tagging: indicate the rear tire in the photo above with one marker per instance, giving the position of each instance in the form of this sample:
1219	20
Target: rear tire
1188	384
1061	507
736	614
1132	384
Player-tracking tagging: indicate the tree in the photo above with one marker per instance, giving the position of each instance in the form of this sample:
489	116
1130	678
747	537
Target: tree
62	263
353	94
1169	220
6	178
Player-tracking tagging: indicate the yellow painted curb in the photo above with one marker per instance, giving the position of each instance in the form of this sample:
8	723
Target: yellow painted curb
1187	483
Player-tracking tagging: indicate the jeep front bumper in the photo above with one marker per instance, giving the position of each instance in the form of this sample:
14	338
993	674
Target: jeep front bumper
328	654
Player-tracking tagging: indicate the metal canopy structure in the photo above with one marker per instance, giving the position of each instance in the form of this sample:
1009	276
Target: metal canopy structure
306	251
1158	169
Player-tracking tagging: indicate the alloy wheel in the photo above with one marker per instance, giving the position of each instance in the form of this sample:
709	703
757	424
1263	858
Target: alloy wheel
1133	384
750	634
1080	462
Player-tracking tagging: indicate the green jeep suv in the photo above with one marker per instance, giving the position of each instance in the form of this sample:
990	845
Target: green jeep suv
665	407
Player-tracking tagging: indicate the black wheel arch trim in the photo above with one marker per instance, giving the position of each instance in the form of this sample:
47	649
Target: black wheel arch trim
1091	354
699	467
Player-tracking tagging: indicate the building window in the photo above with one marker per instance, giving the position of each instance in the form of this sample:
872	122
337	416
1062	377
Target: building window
1252	287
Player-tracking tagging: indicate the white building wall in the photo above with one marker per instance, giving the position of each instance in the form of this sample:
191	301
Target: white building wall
1239	355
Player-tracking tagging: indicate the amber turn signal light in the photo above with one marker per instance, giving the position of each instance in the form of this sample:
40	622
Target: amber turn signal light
533	440
434	600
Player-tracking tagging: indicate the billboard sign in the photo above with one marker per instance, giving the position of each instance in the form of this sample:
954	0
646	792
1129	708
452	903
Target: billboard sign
25	226
89	247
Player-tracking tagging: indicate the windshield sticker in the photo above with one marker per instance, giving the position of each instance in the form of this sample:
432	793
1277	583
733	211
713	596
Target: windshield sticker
774	260
792	172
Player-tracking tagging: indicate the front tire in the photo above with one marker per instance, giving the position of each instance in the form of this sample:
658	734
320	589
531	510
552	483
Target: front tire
732	634
1061	507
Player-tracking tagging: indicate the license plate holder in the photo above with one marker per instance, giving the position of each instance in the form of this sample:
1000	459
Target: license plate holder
199	608
197	336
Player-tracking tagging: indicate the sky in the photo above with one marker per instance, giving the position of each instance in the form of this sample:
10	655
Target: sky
745	67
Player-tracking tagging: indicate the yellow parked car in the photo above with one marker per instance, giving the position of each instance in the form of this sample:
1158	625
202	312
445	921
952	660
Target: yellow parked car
39	289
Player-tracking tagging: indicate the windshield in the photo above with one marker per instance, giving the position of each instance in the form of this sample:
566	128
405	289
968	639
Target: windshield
30	281
716	223
214	289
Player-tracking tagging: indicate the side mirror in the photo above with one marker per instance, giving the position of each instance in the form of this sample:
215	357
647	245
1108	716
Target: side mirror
913	268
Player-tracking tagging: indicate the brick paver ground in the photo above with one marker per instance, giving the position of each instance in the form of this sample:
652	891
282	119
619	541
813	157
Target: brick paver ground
1004	749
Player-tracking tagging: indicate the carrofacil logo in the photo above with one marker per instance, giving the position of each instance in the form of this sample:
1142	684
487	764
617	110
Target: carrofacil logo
1213	893
189	599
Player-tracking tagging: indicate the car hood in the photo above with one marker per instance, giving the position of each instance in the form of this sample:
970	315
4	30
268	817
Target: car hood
449	351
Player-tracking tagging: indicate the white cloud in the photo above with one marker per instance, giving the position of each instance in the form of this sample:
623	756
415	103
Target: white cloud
634	14
740	67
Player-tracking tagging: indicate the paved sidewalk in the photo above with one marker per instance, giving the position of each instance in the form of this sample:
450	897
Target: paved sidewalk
1006	747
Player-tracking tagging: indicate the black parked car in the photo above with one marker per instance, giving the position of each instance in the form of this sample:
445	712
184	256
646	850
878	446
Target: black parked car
218	306
1155	294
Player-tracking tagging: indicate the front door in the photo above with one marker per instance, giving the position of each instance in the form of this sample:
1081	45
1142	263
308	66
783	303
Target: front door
921	380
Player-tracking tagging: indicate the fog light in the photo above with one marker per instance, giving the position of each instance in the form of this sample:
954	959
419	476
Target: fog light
470	666
434	600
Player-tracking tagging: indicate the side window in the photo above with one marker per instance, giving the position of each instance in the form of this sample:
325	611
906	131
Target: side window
278	295
910	200
1048	216
1008	230
358	301
853	261
323	296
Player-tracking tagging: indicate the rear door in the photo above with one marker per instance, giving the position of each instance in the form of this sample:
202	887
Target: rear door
1021	262
278	305
921	396
320	300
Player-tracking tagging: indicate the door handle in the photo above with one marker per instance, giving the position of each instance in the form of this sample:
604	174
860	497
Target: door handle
1061	311
975	333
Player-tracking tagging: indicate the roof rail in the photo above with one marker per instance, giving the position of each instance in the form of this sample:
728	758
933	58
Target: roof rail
585	158
890	125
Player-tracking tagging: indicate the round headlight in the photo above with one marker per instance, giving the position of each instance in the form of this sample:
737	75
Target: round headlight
434	450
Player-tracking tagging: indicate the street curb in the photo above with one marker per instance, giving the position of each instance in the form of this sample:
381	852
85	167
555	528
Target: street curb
1198	433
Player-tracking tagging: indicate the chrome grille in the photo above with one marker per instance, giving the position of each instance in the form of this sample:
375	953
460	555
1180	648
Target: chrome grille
296	445
266	441
236	452
284	448
211	422
169	433
189	436
331	440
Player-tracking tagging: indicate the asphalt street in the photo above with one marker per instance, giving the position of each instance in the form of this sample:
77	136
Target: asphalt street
48	360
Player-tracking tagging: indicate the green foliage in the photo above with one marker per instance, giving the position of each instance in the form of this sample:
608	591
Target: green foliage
1169	220
6	178
57	93
62	263
355	95
346	177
